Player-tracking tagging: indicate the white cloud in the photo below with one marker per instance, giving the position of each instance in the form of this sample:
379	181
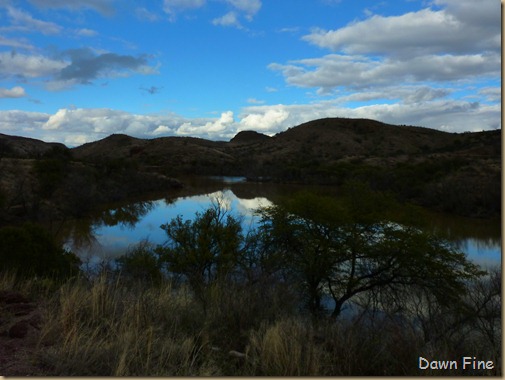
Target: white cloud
77	66
146	15
268	120
86	32
449	31
245	206
15	43
336	70
249	7
14	122
105	7
239	8
14	92
229	19
162	130
492	94
452	43
255	101
25	21
28	66
172	7
405	94
224	127
452	115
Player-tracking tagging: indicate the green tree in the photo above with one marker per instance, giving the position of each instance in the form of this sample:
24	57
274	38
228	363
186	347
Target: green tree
204	250
348	246
141	264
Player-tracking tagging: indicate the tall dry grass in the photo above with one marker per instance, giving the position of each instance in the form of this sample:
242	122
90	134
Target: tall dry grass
106	327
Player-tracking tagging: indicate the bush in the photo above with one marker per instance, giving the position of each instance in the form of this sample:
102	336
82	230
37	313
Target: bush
31	251
140	264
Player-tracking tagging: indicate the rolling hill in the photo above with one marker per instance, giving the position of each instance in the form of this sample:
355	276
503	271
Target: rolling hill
459	173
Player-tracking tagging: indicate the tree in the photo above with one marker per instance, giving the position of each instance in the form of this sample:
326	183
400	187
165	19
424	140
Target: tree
203	250
349	245
141	264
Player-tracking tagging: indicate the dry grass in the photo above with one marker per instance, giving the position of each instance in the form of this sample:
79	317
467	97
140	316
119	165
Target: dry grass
104	327
107	329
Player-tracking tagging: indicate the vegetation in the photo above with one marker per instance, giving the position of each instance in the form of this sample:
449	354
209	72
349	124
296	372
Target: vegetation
350	246
215	300
30	251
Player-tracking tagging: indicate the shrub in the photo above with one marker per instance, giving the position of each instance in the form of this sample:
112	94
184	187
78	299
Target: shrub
140	264
30	250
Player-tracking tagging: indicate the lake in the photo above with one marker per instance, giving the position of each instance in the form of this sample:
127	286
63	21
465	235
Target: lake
110	232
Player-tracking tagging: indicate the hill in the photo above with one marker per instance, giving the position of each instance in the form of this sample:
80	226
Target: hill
248	137
23	147
458	173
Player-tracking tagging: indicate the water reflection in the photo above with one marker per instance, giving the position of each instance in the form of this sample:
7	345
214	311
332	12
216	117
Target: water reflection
110	233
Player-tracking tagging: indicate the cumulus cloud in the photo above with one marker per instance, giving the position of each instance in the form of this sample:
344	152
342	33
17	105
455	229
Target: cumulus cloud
268	120
245	8
229	19
14	64
452	30
224	127
162	130
448	115
407	59
15	122
14	92
336	70
77	126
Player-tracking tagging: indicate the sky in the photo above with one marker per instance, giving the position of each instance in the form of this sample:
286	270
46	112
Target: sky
77	71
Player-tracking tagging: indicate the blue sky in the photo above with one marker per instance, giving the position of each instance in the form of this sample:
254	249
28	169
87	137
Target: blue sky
77	71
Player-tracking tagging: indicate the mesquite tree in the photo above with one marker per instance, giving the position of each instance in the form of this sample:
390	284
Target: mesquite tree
348	246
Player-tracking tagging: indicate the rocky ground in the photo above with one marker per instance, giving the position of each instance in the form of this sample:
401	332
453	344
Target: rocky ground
20	322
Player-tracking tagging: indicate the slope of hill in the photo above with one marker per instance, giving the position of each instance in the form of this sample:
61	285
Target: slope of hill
459	173
23	147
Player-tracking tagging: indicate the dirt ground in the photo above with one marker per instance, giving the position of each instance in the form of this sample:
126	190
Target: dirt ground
20	321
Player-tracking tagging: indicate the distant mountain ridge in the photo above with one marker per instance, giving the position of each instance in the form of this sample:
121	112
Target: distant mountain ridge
455	172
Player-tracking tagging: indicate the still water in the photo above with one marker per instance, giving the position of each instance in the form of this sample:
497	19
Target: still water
111	232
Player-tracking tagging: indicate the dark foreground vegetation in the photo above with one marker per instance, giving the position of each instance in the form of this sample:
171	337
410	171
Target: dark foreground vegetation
321	287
